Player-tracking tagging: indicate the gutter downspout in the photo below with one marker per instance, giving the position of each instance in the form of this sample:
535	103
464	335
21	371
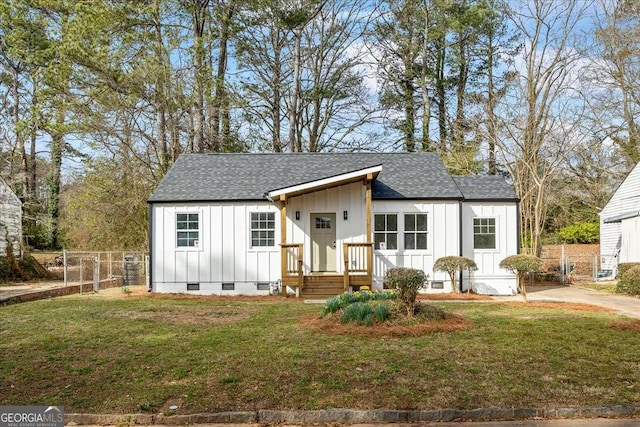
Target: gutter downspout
150	270
460	240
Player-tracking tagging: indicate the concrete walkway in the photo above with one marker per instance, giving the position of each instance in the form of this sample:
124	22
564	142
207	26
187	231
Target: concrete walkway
626	305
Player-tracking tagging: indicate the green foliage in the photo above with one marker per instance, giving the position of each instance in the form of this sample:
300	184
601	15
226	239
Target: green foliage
580	232
146	407
451	264
359	312
522	263
426	311
345	299
407	282
106	209
231	379
623	267
629	282
381	311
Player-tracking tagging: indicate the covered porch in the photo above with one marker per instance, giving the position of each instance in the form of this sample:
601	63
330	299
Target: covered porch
326	242
357	271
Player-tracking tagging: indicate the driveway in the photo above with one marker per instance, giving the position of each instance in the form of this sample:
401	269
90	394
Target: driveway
626	305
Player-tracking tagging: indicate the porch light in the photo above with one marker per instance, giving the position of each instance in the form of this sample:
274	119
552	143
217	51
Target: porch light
297	215
345	215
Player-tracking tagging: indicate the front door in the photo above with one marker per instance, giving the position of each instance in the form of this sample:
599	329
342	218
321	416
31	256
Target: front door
323	242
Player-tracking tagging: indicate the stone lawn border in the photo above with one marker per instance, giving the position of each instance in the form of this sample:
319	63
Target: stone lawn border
59	291
357	416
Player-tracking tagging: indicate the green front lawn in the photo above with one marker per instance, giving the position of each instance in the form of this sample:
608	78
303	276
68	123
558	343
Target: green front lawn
133	354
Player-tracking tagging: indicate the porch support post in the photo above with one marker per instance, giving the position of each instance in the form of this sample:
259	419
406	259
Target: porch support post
283	219
367	205
283	240
369	213
345	277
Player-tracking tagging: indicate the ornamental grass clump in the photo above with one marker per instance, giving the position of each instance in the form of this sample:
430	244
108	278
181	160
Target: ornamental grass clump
345	299
359	313
406	282
381	312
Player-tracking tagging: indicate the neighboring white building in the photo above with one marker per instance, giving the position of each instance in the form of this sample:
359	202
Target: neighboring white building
232	224
10	219
620	224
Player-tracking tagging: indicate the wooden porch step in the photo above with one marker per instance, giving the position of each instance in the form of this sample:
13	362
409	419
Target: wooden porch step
323	292
322	286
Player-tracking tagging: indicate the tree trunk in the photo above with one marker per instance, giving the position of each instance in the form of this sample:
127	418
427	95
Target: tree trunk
491	109
24	160
409	127
198	118
441	93
294	142
426	99
275	84
33	138
57	144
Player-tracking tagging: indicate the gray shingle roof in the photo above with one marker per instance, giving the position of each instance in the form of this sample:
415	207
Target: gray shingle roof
220	177
485	188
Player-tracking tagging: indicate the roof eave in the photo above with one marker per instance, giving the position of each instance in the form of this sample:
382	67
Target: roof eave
324	183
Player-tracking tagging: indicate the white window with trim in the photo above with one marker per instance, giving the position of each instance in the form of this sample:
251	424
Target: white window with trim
187	230
415	231
263	229
385	231
484	233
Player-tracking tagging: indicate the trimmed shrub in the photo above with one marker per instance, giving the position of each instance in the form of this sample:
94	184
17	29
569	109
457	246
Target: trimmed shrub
406	282
626	266
629	282
522	264
451	264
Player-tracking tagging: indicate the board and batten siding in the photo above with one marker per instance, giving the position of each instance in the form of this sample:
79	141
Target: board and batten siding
10	219
223	255
442	239
624	200
489	278
337	200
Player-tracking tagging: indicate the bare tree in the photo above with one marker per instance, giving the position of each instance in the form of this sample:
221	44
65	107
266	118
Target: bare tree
542	116
334	102
615	77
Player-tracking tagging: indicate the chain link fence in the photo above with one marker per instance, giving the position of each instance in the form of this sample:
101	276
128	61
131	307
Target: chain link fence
576	268
86	267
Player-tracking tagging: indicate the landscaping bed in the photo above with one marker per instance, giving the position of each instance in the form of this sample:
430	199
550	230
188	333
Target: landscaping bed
122	353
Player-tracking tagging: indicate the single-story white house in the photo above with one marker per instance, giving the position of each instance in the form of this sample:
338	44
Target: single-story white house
10	219
620	225
321	223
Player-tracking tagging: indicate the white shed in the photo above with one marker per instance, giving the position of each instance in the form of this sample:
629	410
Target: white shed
620	224
10	219
321	223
